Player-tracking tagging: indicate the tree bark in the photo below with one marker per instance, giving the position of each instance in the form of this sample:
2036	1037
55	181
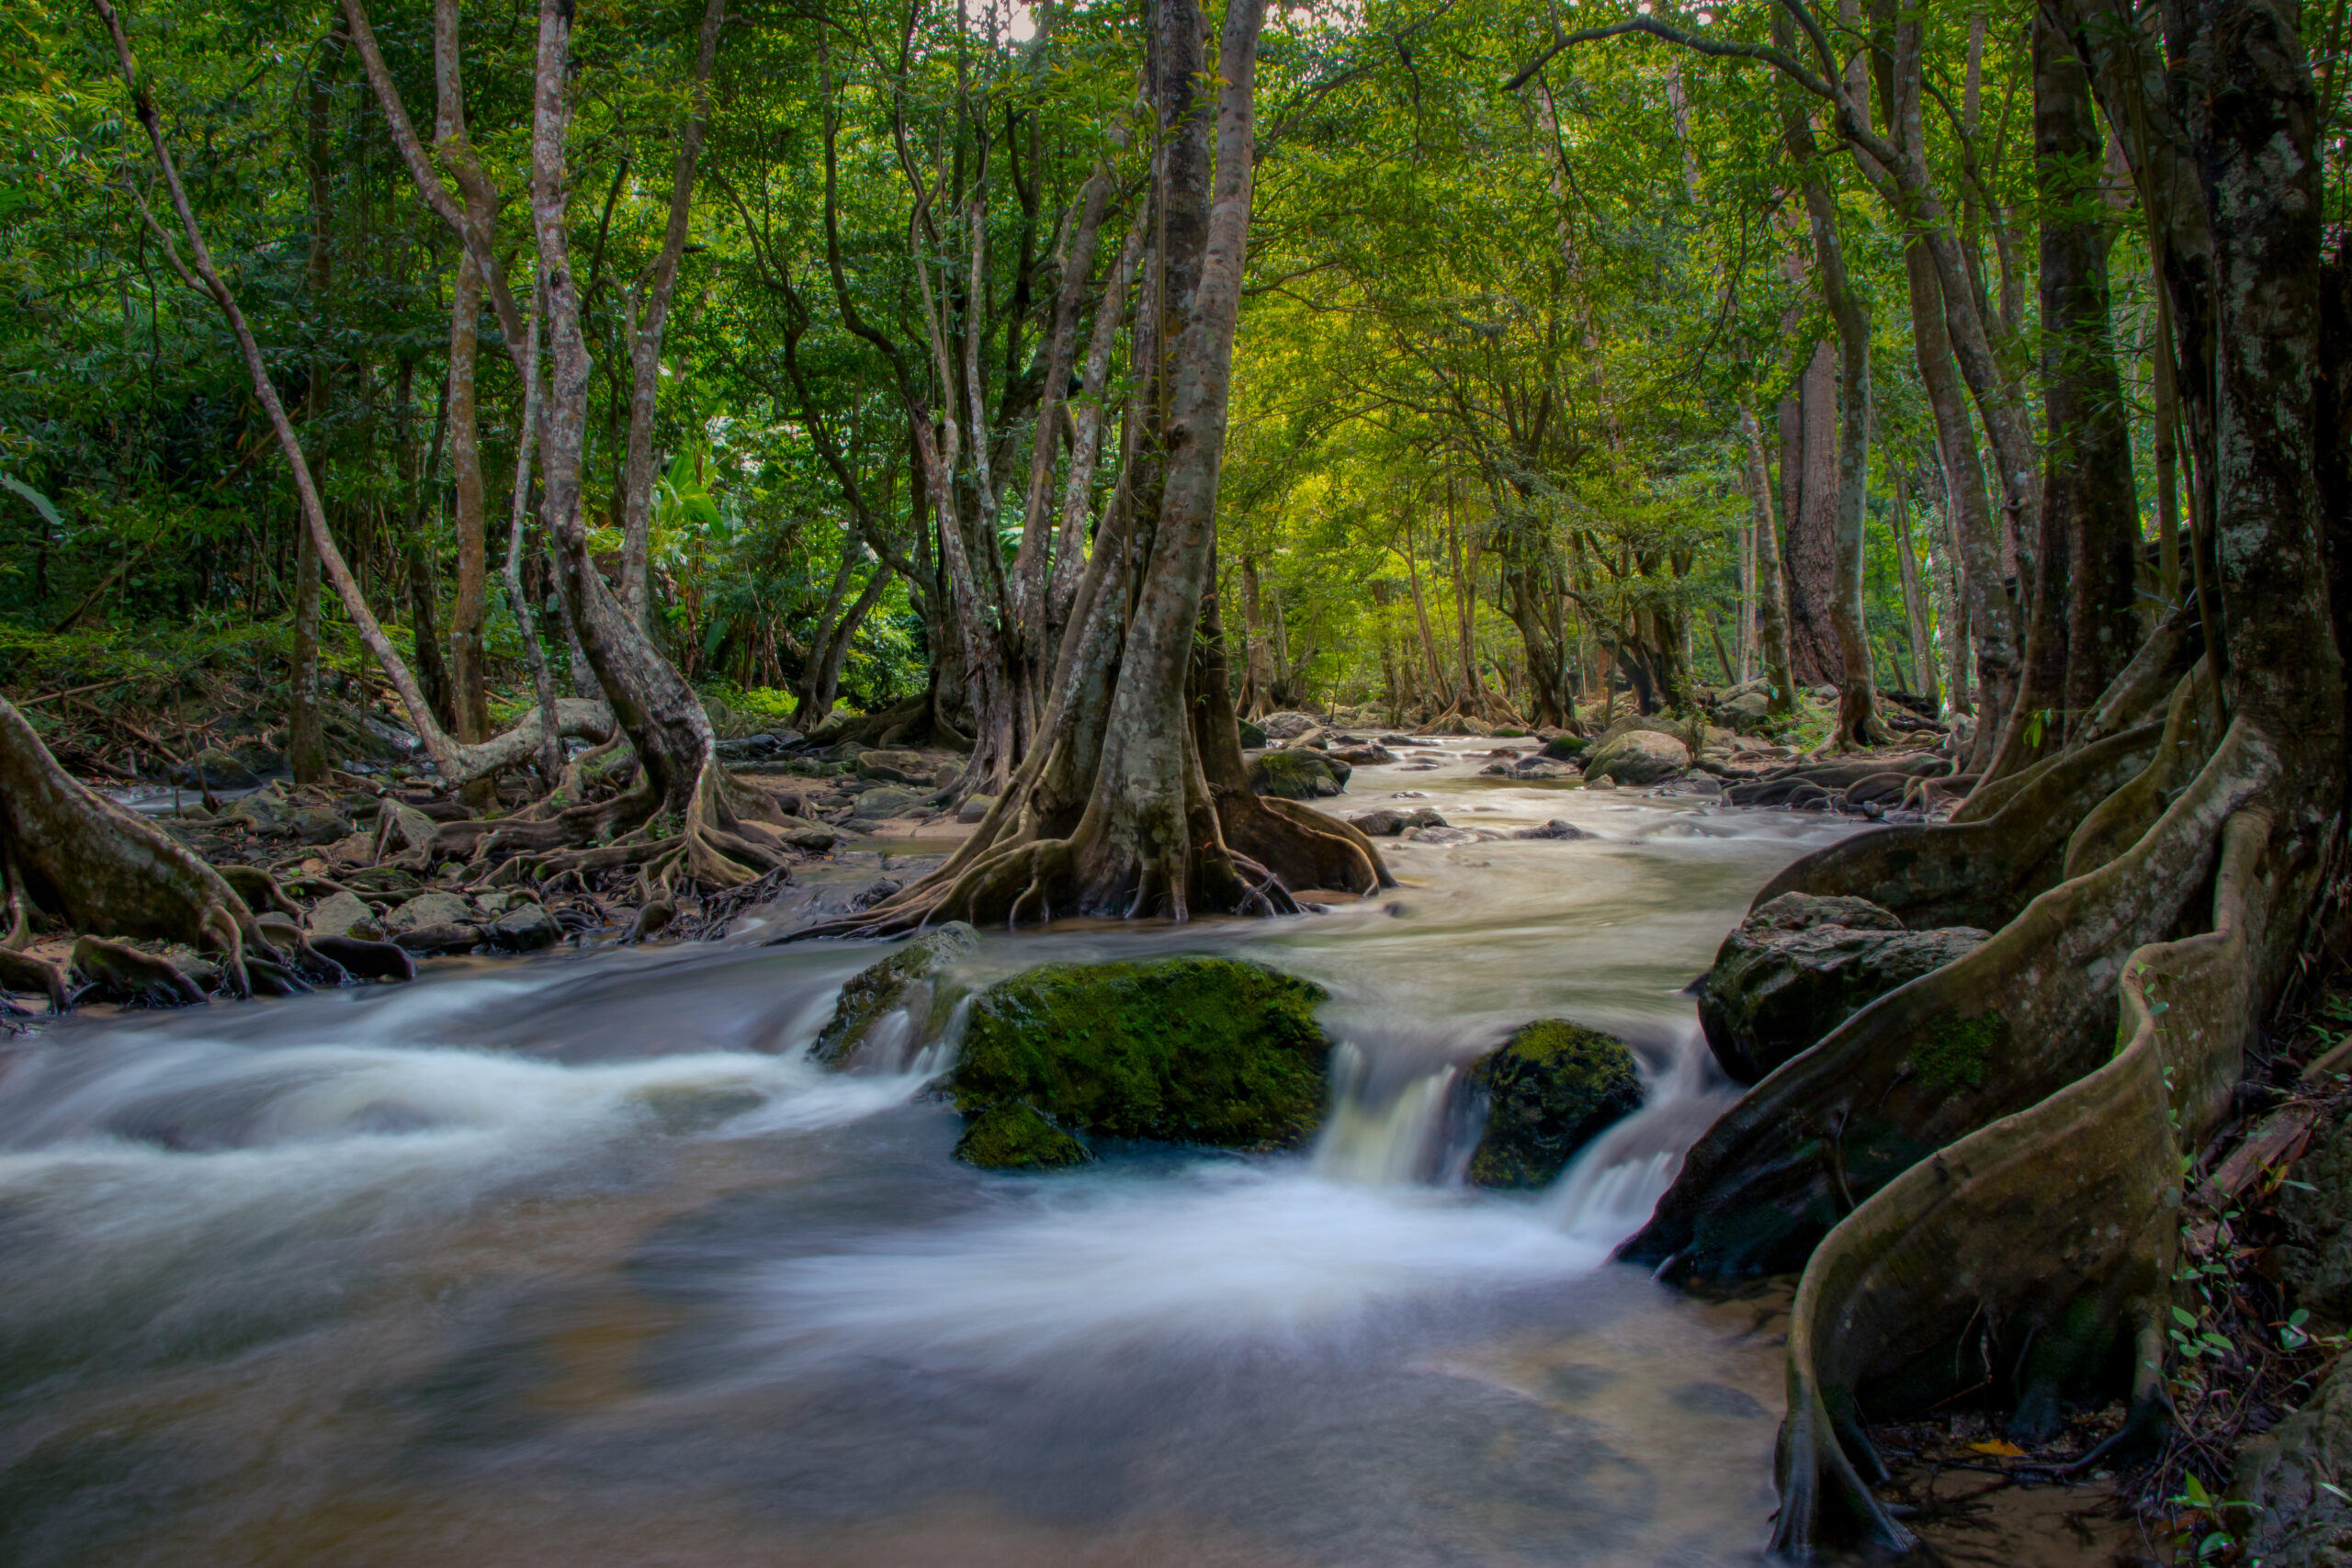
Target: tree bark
468	658
1914	603
1832	510
1771	620
1809	566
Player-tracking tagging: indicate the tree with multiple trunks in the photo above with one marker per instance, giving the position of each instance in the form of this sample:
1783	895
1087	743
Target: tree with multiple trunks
1498	385
2147	857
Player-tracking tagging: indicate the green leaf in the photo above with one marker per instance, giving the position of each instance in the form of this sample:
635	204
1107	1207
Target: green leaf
40	503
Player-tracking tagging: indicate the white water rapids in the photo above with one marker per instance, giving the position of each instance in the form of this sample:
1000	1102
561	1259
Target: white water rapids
581	1261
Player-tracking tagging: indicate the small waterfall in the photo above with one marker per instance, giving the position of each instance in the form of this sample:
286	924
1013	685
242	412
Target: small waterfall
1610	1187
899	1041
1382	1140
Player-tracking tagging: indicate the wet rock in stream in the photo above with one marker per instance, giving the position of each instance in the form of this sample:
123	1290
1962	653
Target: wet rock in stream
1551	1088
1801	966
1178	1050
911	985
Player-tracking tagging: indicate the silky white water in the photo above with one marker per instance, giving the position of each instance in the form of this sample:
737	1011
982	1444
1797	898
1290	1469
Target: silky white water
580	1261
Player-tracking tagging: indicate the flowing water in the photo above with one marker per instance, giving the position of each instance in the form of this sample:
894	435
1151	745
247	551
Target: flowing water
577	1261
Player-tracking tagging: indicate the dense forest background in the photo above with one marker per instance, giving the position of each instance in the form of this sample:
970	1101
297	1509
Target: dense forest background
1522	371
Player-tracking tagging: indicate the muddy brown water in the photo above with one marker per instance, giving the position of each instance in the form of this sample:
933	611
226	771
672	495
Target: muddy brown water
574	1260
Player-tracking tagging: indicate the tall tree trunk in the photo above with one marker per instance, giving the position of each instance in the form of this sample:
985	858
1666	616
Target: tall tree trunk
1771	620
423	587
1259	676
1809	566
1914	603
2084	624
2088	474
1163	780
1833	520
468	659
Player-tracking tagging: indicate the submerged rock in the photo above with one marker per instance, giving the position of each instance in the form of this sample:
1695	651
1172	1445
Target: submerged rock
1297	774
912	983
450	937
1638	757
1801	966
1555	829
1015	1137
1178	1050
1388	821
1550	1091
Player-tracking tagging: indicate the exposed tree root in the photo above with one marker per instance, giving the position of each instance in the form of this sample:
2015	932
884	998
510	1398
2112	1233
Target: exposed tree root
124	974
2092	1173
2188	739
23	972
1301	845
1982	872
2012	1022
102	868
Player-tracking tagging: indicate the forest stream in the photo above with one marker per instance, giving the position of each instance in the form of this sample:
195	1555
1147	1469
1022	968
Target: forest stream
577	1260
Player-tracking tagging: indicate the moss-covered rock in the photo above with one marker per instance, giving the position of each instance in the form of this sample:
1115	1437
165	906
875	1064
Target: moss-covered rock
1181	1050
1637	757
1015	1137
1299	774
1550	1091
911	982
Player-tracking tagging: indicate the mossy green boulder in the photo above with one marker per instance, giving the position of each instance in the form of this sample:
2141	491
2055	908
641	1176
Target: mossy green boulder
1014	1137
1299	774
913	980
1550	1091
1177	1050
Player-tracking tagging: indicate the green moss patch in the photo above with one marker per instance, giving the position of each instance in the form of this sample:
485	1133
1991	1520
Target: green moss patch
1550	1091
1181	1050
1954	1052
1014	1137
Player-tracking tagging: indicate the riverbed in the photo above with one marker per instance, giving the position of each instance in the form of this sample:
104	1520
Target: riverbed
576	1260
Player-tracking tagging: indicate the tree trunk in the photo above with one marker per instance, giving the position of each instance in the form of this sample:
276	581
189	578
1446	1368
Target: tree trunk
1915	604
1771	620
1809	566
2087	472
468	659
1120	814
